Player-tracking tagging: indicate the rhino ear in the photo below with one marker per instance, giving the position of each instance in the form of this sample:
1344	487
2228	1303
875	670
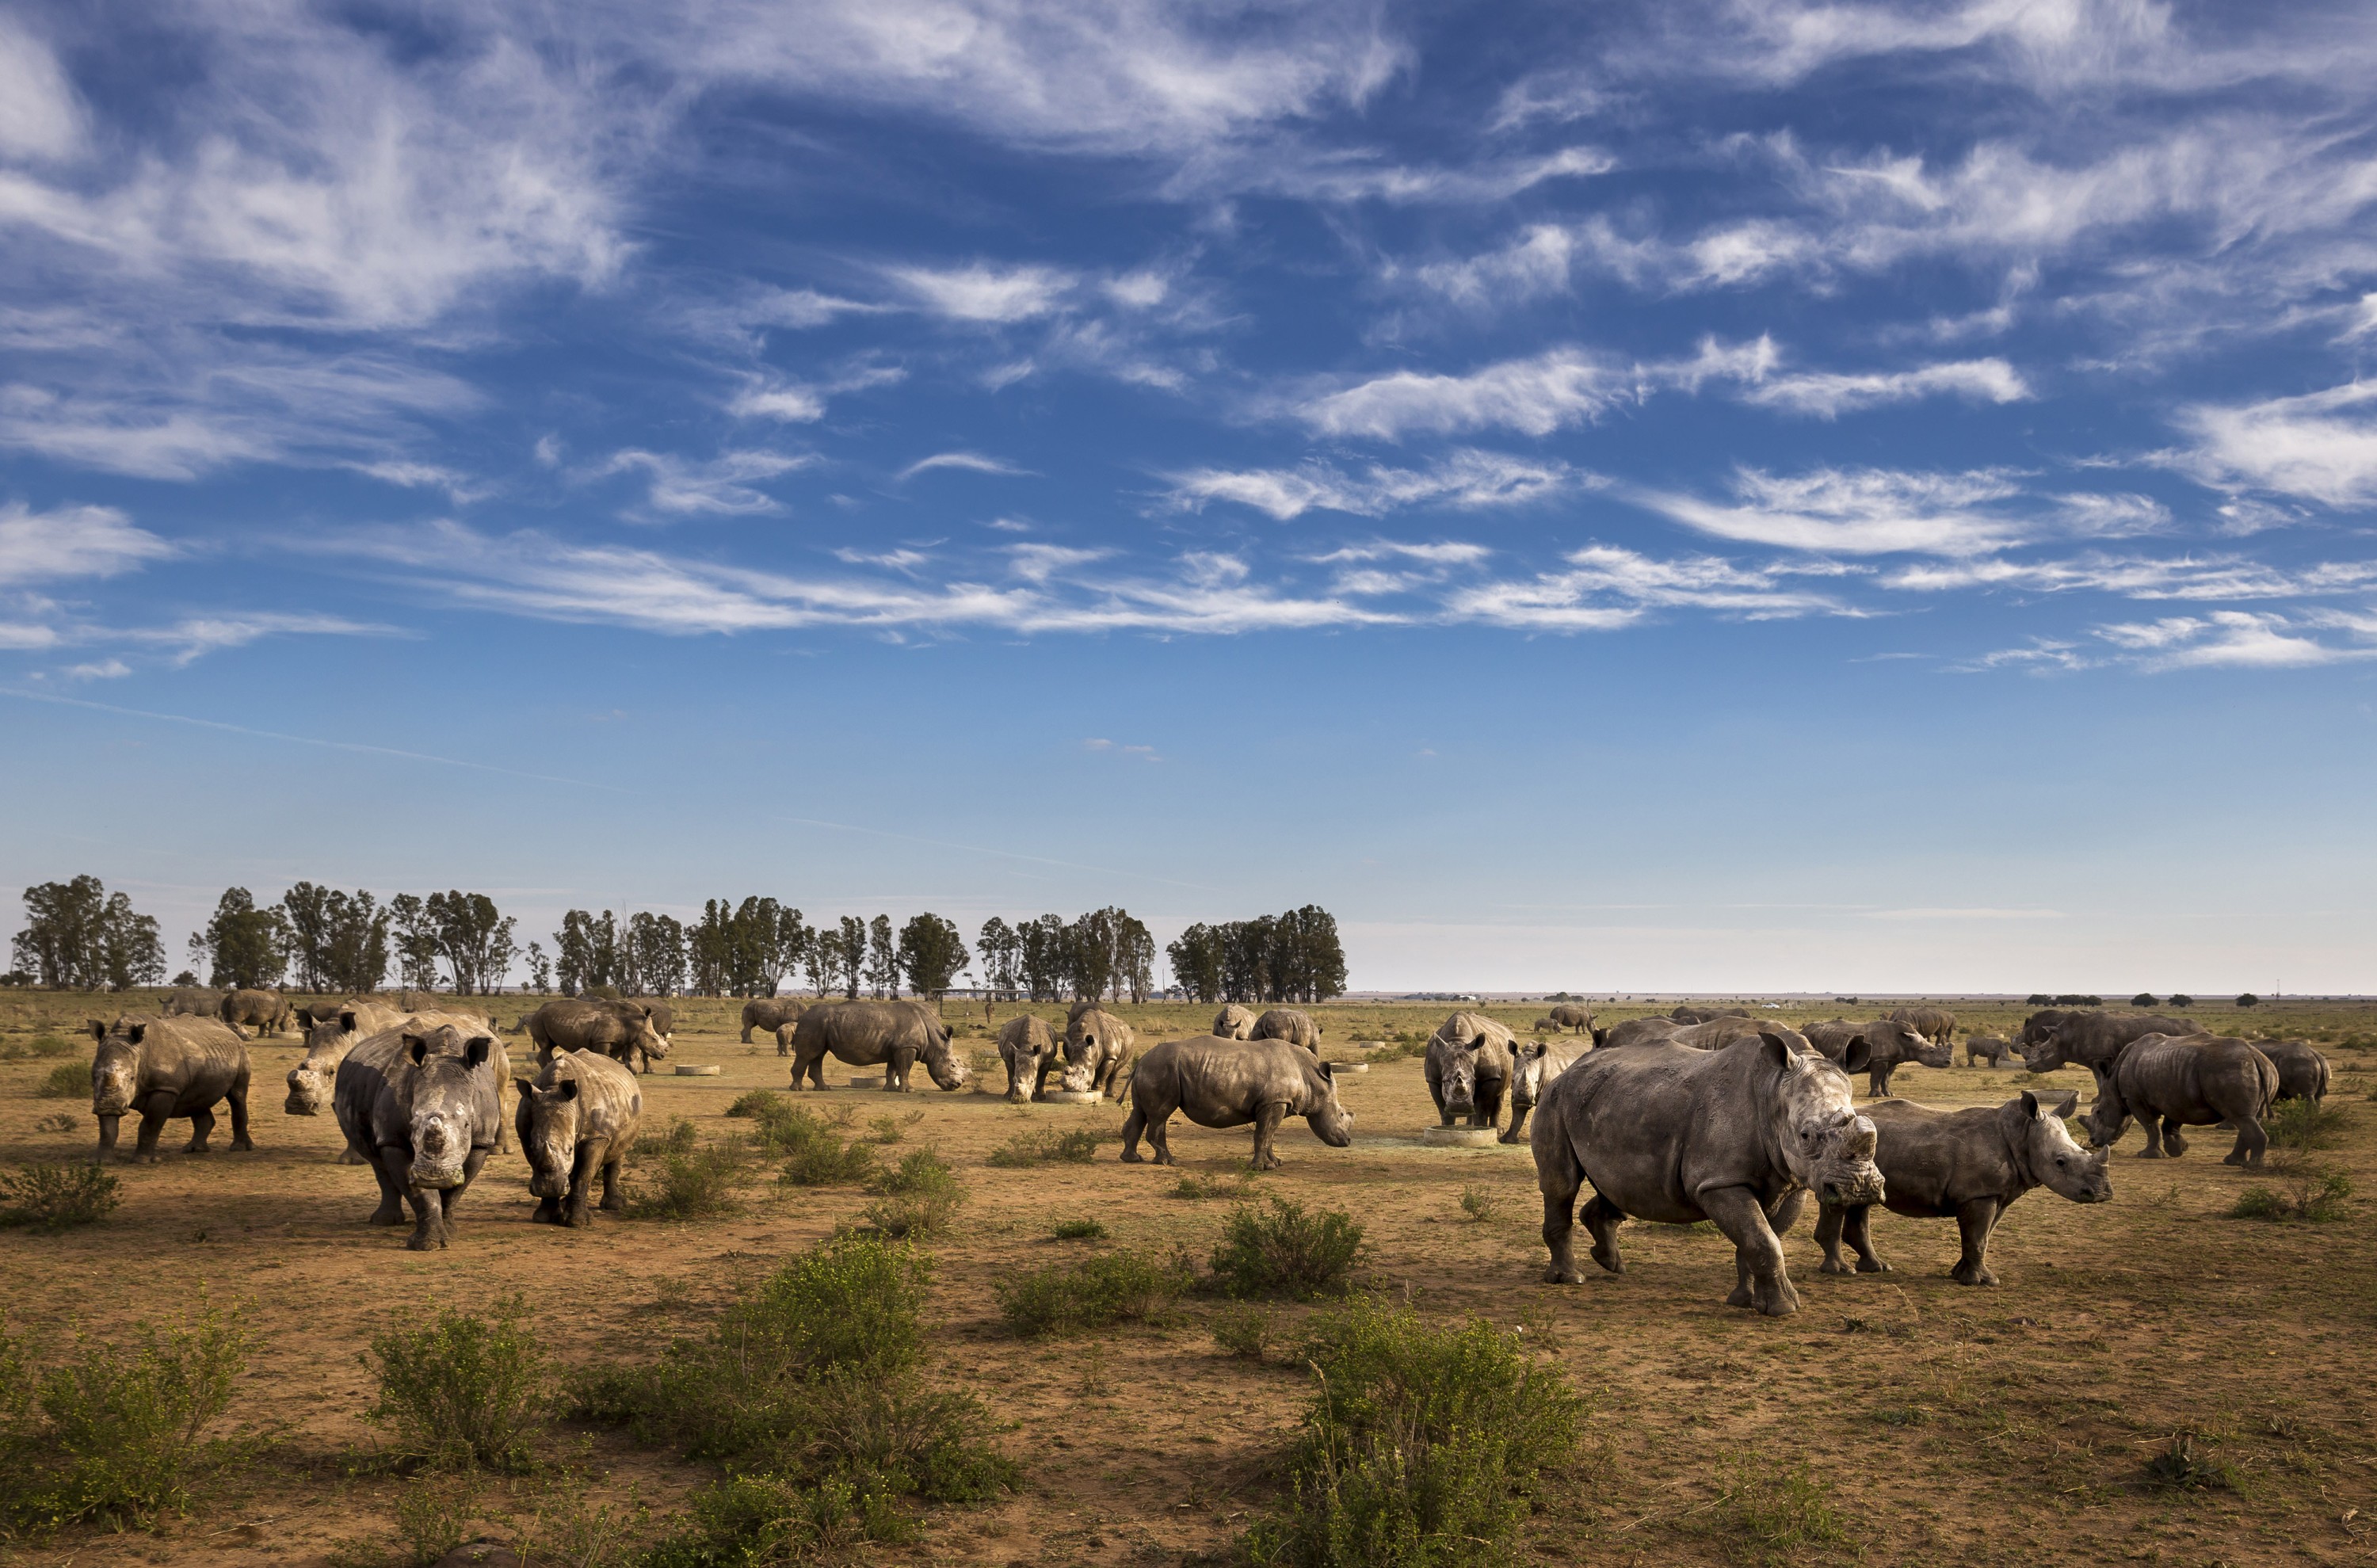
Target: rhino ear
566	1088
478	1051
417	1048
2029	1106
347	1021
135	1033
526	1087
97	1028
1328	1073
1600	1036
2070	1102
1778	1047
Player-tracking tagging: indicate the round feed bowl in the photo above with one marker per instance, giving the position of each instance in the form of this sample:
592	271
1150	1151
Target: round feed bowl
1076	1096
691	1071
1349	1067
876	1083
1459	1137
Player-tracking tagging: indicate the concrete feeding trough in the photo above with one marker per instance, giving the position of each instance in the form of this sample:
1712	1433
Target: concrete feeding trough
874	1082
1349	1067
689	1071
1075	1096
1459	1137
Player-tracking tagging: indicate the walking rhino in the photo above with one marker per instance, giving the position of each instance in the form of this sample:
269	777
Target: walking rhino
620	1030
2303	1072
1468	1068
194	1002
1934	1024
1234	1023
1878	1049
892	1035
1028	1046
770	1014
162	1069
1573	1015
425	1107
313	1083
1219	1082
577	1117
2055	1038
1099	1052
2168	1081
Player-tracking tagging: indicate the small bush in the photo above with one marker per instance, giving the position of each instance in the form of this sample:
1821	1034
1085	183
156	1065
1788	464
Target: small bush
760	1105
686	1183
1201	1186
1285	1252
2306	1125
1480	1205
2311	1193
1244	1329
465	1390
893	1129
2178	1000
1421	1447
432	1516
1772	1513
51	1045
1111	1288
68	1080
1079	1146
1079	1230
2144	1000
55	1197
815	1153
917	1197
57	1121
2187	1462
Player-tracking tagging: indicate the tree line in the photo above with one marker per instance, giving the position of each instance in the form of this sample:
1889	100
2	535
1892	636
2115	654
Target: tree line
1290	957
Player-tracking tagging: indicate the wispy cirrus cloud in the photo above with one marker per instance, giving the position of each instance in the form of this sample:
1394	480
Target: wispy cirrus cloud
1468	478
2320	445
1534	396
1856	511
1830	395
726	486
1608	586
72	542
970	462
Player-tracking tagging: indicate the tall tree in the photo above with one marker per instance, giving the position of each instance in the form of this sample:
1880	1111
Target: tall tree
787	950
824	959
1197	961
338	941
414	935
79	936
1134	957
1001	949
652	956
243	945
852	953
883	957
932	951
539	970
586	951
476	940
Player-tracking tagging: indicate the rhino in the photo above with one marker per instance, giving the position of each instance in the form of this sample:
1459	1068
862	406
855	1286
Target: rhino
770	1013
1736	1136
1468	1069
2054	1038
1965	1165
1878	1049
1219	1082
424	1106
1028	1046
1234	1023
2303	1072
1572	1015
1635	1031
159	1068
1934	1024
621	1030
664	1017
309	1013
327	1044
1717	1033
267	1012
1544	1027
1099	1052
1291	1024
194	1002
2168	1081
578	1116
894	1034
1532	1066
1991	1048
1689	1014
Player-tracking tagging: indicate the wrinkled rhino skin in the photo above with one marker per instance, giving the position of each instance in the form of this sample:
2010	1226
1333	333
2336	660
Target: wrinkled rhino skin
770	1014
620	1030
1099	1052
2303	1072
1967	1166
576	1117
1293	1024
1468	1069
194	1002
2095	1041
1234	1023
1716	1033
1028	1048
1934	1024
1991	1048
326	1045
1637	1031
894	1035
267	1012
1219	1082
1689	1014
162	1068
1736	1136
426	1106
2168	1081
1571	1015
1533	1066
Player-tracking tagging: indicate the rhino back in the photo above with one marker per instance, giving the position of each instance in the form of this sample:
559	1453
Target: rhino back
862	1034
1219	1082
1027	1033
1932	1161
1626	1118
199	1059
611	1103
2198	1079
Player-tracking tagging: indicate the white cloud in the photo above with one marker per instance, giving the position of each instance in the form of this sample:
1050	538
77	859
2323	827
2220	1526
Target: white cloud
975	462
985	293
195	636
1038	563
1827	396
720	487
104	669
1855	512
1467	478
906	561
41	116
2321	446
2226	638
1609	587
2098	516
1558	388
72	542
780	400
1341	176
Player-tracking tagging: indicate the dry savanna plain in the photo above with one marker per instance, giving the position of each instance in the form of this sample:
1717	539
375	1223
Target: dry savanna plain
1897	1417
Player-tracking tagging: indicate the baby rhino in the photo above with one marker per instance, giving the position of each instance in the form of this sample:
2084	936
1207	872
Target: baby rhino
1965	1165
577	1117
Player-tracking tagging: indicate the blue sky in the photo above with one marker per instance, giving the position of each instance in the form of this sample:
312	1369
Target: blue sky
1752	495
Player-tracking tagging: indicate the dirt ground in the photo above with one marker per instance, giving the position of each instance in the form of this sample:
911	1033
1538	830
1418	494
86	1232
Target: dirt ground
2009	1425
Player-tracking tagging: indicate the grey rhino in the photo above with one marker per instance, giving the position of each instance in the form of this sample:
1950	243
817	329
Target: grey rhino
1544	1027
425	1107
1934	1024
621	1030
326	1045
1965	1165
664	1017
893	1035
578	1115
1635	1031
1028	1046
1291	1024
194	1002
1716	1033
2168	1081
1219	1082
1573	1015
2053	1038
162	1068
1468	1069
1099	1052
1991	1048
1234	1023
267	1012
1532	1066
1881	1048
1736	1136
2303	1072
309	1013
770	1013
1689	1014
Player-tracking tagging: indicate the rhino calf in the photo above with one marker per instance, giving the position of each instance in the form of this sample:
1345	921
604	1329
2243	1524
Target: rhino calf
1533	1067
1234	1023
1468	1069
577	1116
2173	1080
1028	1046
770	1015
1099	1052
1991	1048
162	1069
426	1106
1967	1166
1219	1082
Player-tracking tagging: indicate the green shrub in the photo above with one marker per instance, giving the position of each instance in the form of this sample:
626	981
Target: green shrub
2187	1462
1200	1187
1773	1512
1110	1288
2309	1192
1285	1252
57	1121
760	1105
815	1155
890	1130
51	1045
2306	1125
1079	1146
1079	1230
1480	1205
1244	1329
1422	1448
917	1197
465	1390
68	1080
431	1516
54	1197
678	1178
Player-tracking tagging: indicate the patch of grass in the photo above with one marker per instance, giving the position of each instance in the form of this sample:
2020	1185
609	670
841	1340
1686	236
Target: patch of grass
760	1105
431	1516
1773	1512
678	1178
1077	1146
1480	1205
815	1153
57	1197
464	1390
57	1121
1244	1329
1423	1447
893	1129
917	1197
1203	1187
1283	1250
1079	1230
1110	1288
2188	1463
68	1080
2305	1125
50	1045
2307	1193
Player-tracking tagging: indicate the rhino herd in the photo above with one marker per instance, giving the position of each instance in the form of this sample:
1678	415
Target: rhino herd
1702	1115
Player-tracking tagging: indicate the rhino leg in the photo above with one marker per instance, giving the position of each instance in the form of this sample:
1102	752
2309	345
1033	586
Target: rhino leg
108	1127
1859	1231
1486	1109
241	1143
1132	1126
152	1126
809	1060
1830	1223
1974	1222
352	1155
2171	1139
429	1220
2251	1140
390	1168
547	1211
1760	1279
1517	1131
1266	1121
202	1126
581	1180
614	1196
1877	1084
1046	1064
1602	1218
1559	1186
2152	1126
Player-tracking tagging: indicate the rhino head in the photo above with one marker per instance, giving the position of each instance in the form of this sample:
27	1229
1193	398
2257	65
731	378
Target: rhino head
115	1068
643	1036
551	1142
948	1070
1526	1087
444	1094
2107	1118
1330	1121
2044	1143
1923	1048
1459	1080
1827	1147
311	1080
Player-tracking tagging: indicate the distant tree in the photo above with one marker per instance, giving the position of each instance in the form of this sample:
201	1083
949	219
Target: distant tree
475	940
1002	951
79	936
414	936
243	945
1199	962
338	941
824	960
2179	1000
2039	998
652	951
2144	998
1134	958
1046	960
186	977
539	970
2248	999
586	951
784	945
883	957
850	953
932	951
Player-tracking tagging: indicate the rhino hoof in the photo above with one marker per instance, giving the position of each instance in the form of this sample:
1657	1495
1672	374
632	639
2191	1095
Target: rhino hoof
1875	1266
416	1244
2149	1154
243	1145
579	1220
1979	1276
1608	1259
1782	1304
1829	1266
1558	1275
1132	1157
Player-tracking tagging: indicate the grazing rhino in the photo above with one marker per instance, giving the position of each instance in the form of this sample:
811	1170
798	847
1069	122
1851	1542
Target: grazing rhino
770	1013
1991	1048
1532	1066
893	1035
1028	1046
1934	1024
1099	1052
2168	1081
2094	1040
621	1030
1635	1031
1291	1024
424	1106
1571	1015
1234	1023
2303	1072
267	1012
1736	1136
159	1069
1219	1082
194	1002
577	1117
1965	1166
1544	1027
1689	1014
1468	1069
1881	1048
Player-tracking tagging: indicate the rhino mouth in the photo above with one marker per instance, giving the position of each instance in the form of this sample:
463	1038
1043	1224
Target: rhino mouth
1851	1189
434	1180
302	1104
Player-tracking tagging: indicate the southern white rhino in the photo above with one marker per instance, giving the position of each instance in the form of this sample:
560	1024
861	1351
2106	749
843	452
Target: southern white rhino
1099	1052
1736	1136
426	1106
576	1117
894	1035
1635	1031
770	1014
313	1080
621	1030
1028	1046
194	1002
1991	1048
1219	1082
2095	1041
267	1012
1468	1069
1966	1166
2168	1081
1934	1024
1532	1066
1290	1024
2303	1072
159	1069
1573	1015
1878	1048
1234	1023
